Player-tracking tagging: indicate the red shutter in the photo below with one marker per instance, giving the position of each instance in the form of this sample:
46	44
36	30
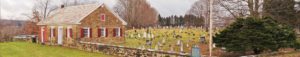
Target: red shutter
66	33
81	33
114	32
71	33
106	32
91	33
54	32
121	32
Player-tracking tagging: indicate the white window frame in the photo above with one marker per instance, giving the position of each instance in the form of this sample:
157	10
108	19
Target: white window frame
103	33
88	32
118	32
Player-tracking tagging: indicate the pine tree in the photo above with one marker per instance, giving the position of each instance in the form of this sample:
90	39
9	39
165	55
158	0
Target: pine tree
256	35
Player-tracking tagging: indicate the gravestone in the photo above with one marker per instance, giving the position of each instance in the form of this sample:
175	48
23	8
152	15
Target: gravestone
181	48
152	35
139	35
196	51
187	45
178	42
145	35
148	35
171	48
202	39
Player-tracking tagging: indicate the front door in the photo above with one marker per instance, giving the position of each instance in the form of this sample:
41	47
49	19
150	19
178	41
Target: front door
42	34
60	36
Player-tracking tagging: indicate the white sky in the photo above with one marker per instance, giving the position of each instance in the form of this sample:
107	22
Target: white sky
19	9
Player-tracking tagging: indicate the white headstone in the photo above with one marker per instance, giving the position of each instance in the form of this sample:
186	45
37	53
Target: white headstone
181	47
178	42
148	35
152	35
187	45
214	45
131	36
145	34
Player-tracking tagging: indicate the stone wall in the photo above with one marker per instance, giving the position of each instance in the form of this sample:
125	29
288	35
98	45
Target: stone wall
126	51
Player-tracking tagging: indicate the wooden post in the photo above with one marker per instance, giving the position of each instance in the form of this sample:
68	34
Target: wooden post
210	27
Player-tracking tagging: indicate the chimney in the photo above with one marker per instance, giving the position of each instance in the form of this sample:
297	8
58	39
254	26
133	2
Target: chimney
62	6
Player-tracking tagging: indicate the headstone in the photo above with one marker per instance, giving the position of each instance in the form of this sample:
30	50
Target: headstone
202	39
131	36
171	48
181	47
145	35
214	45
178	42
187	45
148	42
196	52
152	35
148	35
139	35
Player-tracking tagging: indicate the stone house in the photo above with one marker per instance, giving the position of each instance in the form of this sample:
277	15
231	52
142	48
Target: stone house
95	23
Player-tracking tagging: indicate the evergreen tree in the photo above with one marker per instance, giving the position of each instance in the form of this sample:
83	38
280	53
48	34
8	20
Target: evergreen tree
256	35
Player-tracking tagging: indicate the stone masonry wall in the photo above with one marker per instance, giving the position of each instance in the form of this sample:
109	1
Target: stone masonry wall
125	51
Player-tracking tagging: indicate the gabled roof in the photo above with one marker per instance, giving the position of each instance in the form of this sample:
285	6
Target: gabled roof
74	14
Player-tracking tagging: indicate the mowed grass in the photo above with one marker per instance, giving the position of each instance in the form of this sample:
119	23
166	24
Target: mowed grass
25	49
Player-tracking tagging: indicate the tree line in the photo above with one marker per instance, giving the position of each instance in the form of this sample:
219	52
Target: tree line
186	20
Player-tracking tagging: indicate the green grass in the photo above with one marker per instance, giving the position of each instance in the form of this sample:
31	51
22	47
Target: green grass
25	49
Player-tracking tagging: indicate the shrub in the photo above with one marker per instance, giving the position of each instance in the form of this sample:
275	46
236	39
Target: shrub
257	35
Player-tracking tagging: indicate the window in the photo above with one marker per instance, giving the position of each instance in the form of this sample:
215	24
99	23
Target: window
86	32
102	32
102	17
117	32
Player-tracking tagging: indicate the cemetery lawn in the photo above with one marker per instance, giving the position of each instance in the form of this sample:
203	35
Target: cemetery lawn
136	38
25	49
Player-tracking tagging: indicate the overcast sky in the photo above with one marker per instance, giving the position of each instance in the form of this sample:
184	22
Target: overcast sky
19	9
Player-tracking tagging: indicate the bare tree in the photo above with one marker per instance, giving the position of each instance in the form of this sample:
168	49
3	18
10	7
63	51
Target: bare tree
30	26
44	8
137	13
201	9
242	8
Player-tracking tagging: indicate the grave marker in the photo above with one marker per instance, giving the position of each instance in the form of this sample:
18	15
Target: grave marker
196	51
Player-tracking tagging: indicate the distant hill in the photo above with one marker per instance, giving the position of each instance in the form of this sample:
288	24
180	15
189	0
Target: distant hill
5	22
